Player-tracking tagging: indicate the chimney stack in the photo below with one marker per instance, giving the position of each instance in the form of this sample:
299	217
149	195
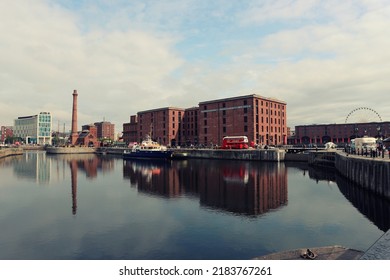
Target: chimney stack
74	134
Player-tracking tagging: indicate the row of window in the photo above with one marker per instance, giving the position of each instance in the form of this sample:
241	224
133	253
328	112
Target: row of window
245	128
245	102
277	121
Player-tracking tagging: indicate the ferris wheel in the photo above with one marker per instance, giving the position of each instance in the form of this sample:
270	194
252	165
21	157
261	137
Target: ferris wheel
363	115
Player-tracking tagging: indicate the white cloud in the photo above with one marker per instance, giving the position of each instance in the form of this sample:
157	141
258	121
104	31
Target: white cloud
318	56
46	57
324	70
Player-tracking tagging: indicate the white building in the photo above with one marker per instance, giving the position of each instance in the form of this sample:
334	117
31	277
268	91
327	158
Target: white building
34	129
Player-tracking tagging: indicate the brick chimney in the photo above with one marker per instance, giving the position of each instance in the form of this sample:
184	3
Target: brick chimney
74	134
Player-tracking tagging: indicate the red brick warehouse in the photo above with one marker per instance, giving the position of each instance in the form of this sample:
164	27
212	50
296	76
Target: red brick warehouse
263	120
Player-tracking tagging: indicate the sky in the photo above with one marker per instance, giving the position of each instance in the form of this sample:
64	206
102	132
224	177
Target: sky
325	59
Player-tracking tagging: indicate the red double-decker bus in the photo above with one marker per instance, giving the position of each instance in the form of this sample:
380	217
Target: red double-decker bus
235	142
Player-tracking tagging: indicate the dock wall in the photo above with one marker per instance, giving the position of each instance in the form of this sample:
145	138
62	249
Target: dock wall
275	155
70	150
10	152
371	174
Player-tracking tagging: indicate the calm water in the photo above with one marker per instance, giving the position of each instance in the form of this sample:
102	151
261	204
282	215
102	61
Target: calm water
90	207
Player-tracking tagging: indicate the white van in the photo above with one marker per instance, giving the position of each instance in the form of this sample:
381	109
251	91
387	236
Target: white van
365	143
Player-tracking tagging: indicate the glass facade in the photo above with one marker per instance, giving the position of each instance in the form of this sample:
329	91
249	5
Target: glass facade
34	129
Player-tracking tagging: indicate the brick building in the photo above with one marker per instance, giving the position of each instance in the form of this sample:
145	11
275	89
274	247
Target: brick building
105	130
88	136
190	127
337	133
263	120
130	132
163	125
6	131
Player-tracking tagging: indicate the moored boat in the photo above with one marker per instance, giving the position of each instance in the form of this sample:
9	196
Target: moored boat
148	149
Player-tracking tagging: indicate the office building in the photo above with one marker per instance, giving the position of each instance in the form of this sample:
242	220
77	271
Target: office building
34	129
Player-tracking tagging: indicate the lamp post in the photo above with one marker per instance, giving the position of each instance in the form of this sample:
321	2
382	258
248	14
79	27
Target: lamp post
379	133
356	132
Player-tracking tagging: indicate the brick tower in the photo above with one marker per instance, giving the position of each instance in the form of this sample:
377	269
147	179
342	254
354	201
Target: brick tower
74	134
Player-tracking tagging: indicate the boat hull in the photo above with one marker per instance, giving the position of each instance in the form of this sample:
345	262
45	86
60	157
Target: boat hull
147	155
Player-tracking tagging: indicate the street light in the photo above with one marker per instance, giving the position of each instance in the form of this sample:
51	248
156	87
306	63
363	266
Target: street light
379	132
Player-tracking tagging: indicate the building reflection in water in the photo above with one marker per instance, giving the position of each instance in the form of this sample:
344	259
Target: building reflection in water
73	173
156	177
33	166
239	187
372	206
89	164
375	208
236	187
243	187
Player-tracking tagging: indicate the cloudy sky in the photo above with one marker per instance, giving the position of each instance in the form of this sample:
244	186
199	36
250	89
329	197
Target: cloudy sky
324	58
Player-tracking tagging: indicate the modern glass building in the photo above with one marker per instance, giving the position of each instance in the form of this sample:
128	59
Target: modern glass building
34	129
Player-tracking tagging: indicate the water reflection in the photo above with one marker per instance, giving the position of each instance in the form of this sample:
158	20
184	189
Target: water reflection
33	166
153	177
236	187
375	208
90	166
372	206
83	208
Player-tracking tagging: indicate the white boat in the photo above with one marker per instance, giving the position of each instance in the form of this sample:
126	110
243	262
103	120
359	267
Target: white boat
147	149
